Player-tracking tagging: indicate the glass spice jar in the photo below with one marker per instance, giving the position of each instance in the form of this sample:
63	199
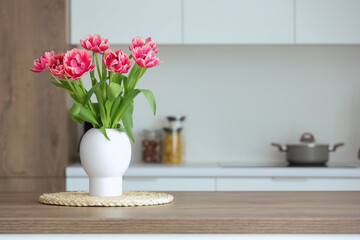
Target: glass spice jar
174	143
152	146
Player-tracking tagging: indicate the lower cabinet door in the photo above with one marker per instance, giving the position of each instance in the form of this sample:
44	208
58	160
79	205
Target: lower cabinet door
149	184
225	184
288	184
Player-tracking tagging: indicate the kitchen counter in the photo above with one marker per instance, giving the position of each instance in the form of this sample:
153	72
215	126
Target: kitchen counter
192	212
226	170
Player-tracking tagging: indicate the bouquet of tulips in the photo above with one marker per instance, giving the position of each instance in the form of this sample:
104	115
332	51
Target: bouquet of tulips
114	91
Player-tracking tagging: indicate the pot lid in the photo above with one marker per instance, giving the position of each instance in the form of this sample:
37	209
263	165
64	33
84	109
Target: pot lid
307	139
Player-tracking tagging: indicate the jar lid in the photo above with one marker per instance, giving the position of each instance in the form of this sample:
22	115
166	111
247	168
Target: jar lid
176	118
172	130
152	133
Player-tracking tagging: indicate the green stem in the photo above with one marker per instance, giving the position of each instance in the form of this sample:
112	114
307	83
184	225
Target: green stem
82	85
92	74
97	66
58	81
104	71
142	71
111	74
72	88
101	102
89	102
103	86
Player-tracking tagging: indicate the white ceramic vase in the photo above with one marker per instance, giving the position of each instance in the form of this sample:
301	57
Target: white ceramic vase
104	161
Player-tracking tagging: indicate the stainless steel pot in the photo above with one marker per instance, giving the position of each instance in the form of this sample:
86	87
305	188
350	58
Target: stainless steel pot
307	152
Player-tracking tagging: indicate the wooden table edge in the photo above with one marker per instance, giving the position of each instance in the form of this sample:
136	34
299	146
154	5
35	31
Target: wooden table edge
180	226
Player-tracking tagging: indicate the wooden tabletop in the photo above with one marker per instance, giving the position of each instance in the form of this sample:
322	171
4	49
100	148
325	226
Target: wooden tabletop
192	212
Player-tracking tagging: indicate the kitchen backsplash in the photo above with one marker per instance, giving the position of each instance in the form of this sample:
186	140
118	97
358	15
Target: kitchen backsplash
238	99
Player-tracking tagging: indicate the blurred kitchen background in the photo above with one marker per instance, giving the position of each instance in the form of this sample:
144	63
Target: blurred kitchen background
245	73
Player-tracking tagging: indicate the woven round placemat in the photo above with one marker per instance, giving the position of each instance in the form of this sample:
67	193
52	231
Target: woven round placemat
128	199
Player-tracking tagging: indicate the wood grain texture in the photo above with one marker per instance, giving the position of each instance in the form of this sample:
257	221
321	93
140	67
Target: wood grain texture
35	125
192	212
32	184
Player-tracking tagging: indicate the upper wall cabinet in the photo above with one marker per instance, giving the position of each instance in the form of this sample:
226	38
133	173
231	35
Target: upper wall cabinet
238	22
327	21
219	21
121	20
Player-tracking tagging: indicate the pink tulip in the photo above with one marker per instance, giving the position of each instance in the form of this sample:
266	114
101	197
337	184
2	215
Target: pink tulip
40	63
117	62
140	42
55	65
95	43
145	56
137	42
77	62
152	44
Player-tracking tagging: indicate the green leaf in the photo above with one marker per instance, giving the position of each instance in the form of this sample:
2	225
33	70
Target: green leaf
80	93
114	109
108	105
96	108
143	70
125	104
133	71
103	130
151	99
93	79
127	120
67	87
101	106
73	96
114	90
64	84
76	119
117	78
80	112
92	90
126	84
121	128
134	76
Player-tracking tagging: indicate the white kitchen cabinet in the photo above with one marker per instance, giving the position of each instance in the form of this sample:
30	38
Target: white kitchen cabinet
121	20
288	184
327	21
238	22
149	184
214	177
225	184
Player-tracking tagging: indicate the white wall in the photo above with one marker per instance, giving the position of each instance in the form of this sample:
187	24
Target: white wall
238	99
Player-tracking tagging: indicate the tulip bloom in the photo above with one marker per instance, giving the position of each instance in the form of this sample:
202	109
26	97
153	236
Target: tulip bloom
77	62
40	63
145	56
140	42
117	62
55	65
95	43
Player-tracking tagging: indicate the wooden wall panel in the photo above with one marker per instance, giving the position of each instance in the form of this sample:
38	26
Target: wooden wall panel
32	184
36	132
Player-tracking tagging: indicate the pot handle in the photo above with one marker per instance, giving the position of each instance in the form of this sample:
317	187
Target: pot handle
307	137
333	148
280	147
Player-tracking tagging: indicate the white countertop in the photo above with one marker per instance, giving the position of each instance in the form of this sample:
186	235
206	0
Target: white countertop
225	170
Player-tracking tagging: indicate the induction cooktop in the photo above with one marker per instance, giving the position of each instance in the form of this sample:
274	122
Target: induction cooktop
284	164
